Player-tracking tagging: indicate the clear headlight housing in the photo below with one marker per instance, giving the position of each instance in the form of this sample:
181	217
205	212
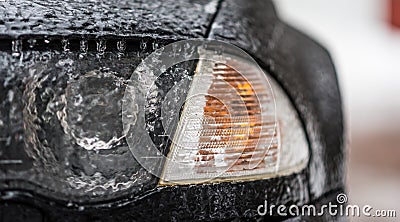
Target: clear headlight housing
236	123
78	117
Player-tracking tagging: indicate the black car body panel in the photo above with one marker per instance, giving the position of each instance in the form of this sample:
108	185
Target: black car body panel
156	19
302	67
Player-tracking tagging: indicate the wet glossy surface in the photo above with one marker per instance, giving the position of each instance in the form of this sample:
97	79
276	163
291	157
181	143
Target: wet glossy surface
106	18
302	67
306	72
68	108
62	124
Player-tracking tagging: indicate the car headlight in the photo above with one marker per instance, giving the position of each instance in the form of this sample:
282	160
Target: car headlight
236	123
190	112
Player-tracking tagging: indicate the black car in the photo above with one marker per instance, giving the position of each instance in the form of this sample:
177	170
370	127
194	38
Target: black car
90	132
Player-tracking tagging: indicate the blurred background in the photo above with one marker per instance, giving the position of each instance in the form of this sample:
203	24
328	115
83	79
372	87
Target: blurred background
365	46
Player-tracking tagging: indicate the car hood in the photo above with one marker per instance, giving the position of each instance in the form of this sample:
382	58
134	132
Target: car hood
159	19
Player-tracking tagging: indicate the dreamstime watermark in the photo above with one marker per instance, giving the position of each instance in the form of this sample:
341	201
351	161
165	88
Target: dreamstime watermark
340	208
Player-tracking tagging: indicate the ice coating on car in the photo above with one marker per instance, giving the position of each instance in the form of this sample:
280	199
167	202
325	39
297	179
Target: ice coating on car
287	59
304	68
84	101
61	110
123	18
236	125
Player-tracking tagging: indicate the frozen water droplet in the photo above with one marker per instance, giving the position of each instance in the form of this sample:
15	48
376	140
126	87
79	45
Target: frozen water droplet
83	46
143	45
121	46
176	50
101	46
31	43
65	45
218	51
65	63
154	45
163	69
16	48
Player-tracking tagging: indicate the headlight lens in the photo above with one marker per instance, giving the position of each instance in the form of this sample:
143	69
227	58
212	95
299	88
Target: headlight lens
235	124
